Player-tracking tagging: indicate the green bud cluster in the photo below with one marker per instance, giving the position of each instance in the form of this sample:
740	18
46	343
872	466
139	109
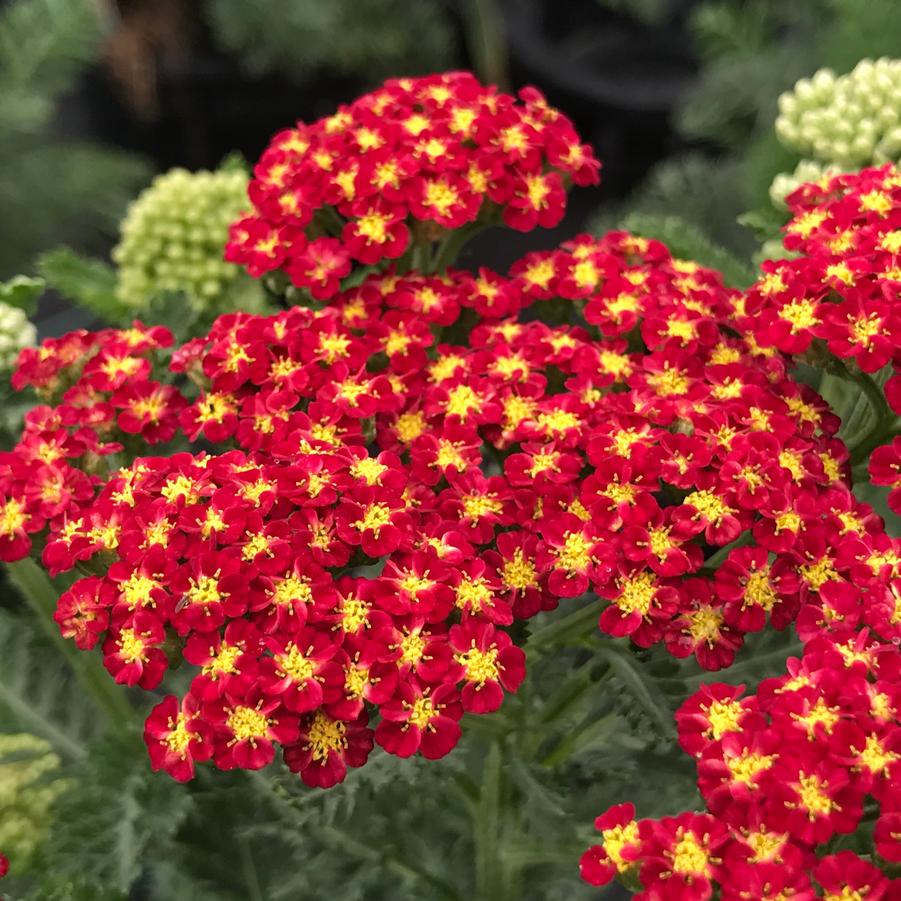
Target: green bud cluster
849	121
30	783
16	332
173	236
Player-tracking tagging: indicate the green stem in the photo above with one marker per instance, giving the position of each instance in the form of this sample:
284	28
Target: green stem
450	247
41	725
486	828
39	592
379	858
487	42
251	880
578	738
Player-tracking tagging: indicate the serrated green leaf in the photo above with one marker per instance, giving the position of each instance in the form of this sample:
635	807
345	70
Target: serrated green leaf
764	221
118	819
89	283
37	692
22	292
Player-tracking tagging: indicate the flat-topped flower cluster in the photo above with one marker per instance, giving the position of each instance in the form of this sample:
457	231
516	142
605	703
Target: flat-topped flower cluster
811	759
403	165
367	506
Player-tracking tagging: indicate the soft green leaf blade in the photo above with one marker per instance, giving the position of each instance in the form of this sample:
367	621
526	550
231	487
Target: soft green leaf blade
89	283
37	692
688	241
22	292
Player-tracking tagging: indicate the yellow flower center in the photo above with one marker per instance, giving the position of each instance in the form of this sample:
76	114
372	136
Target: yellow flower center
376	517
518	573
481	666
325	735
248	724
724	716
131	647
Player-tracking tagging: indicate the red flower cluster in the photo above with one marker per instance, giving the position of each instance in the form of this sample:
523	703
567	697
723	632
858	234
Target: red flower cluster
405	164
107	394
486	480
840	287
226	560
813	755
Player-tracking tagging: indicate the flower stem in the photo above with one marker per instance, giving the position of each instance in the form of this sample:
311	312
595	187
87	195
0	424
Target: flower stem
450	247
40	594
486	828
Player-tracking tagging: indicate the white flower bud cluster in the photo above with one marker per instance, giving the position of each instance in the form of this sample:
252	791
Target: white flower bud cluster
173	236
16	332
849	121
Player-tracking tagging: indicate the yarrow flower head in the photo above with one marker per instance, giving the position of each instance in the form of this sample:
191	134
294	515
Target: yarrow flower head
172	239
837	293
404	166
811	757
487	479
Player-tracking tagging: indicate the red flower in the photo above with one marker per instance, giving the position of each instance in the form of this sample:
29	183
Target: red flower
176	737
245	727
327	747
489	662
419	719
132	654
619	830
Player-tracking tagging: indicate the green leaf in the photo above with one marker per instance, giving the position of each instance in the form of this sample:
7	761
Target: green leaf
765	222
637	681
89	283
174	310
44	43
117	821
22	292
37	692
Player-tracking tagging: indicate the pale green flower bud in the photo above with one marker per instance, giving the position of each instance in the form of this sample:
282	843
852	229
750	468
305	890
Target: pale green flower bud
174	234
30	783
16	332
844	120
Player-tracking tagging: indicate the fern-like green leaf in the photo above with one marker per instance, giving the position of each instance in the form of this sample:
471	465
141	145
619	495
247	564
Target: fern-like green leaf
37	691
22	292
118	819
374	38
44	43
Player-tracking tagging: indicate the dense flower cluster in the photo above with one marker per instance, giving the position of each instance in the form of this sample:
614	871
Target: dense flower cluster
847	121
16	333
483	481
173	236
812	756
403	166
838	294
